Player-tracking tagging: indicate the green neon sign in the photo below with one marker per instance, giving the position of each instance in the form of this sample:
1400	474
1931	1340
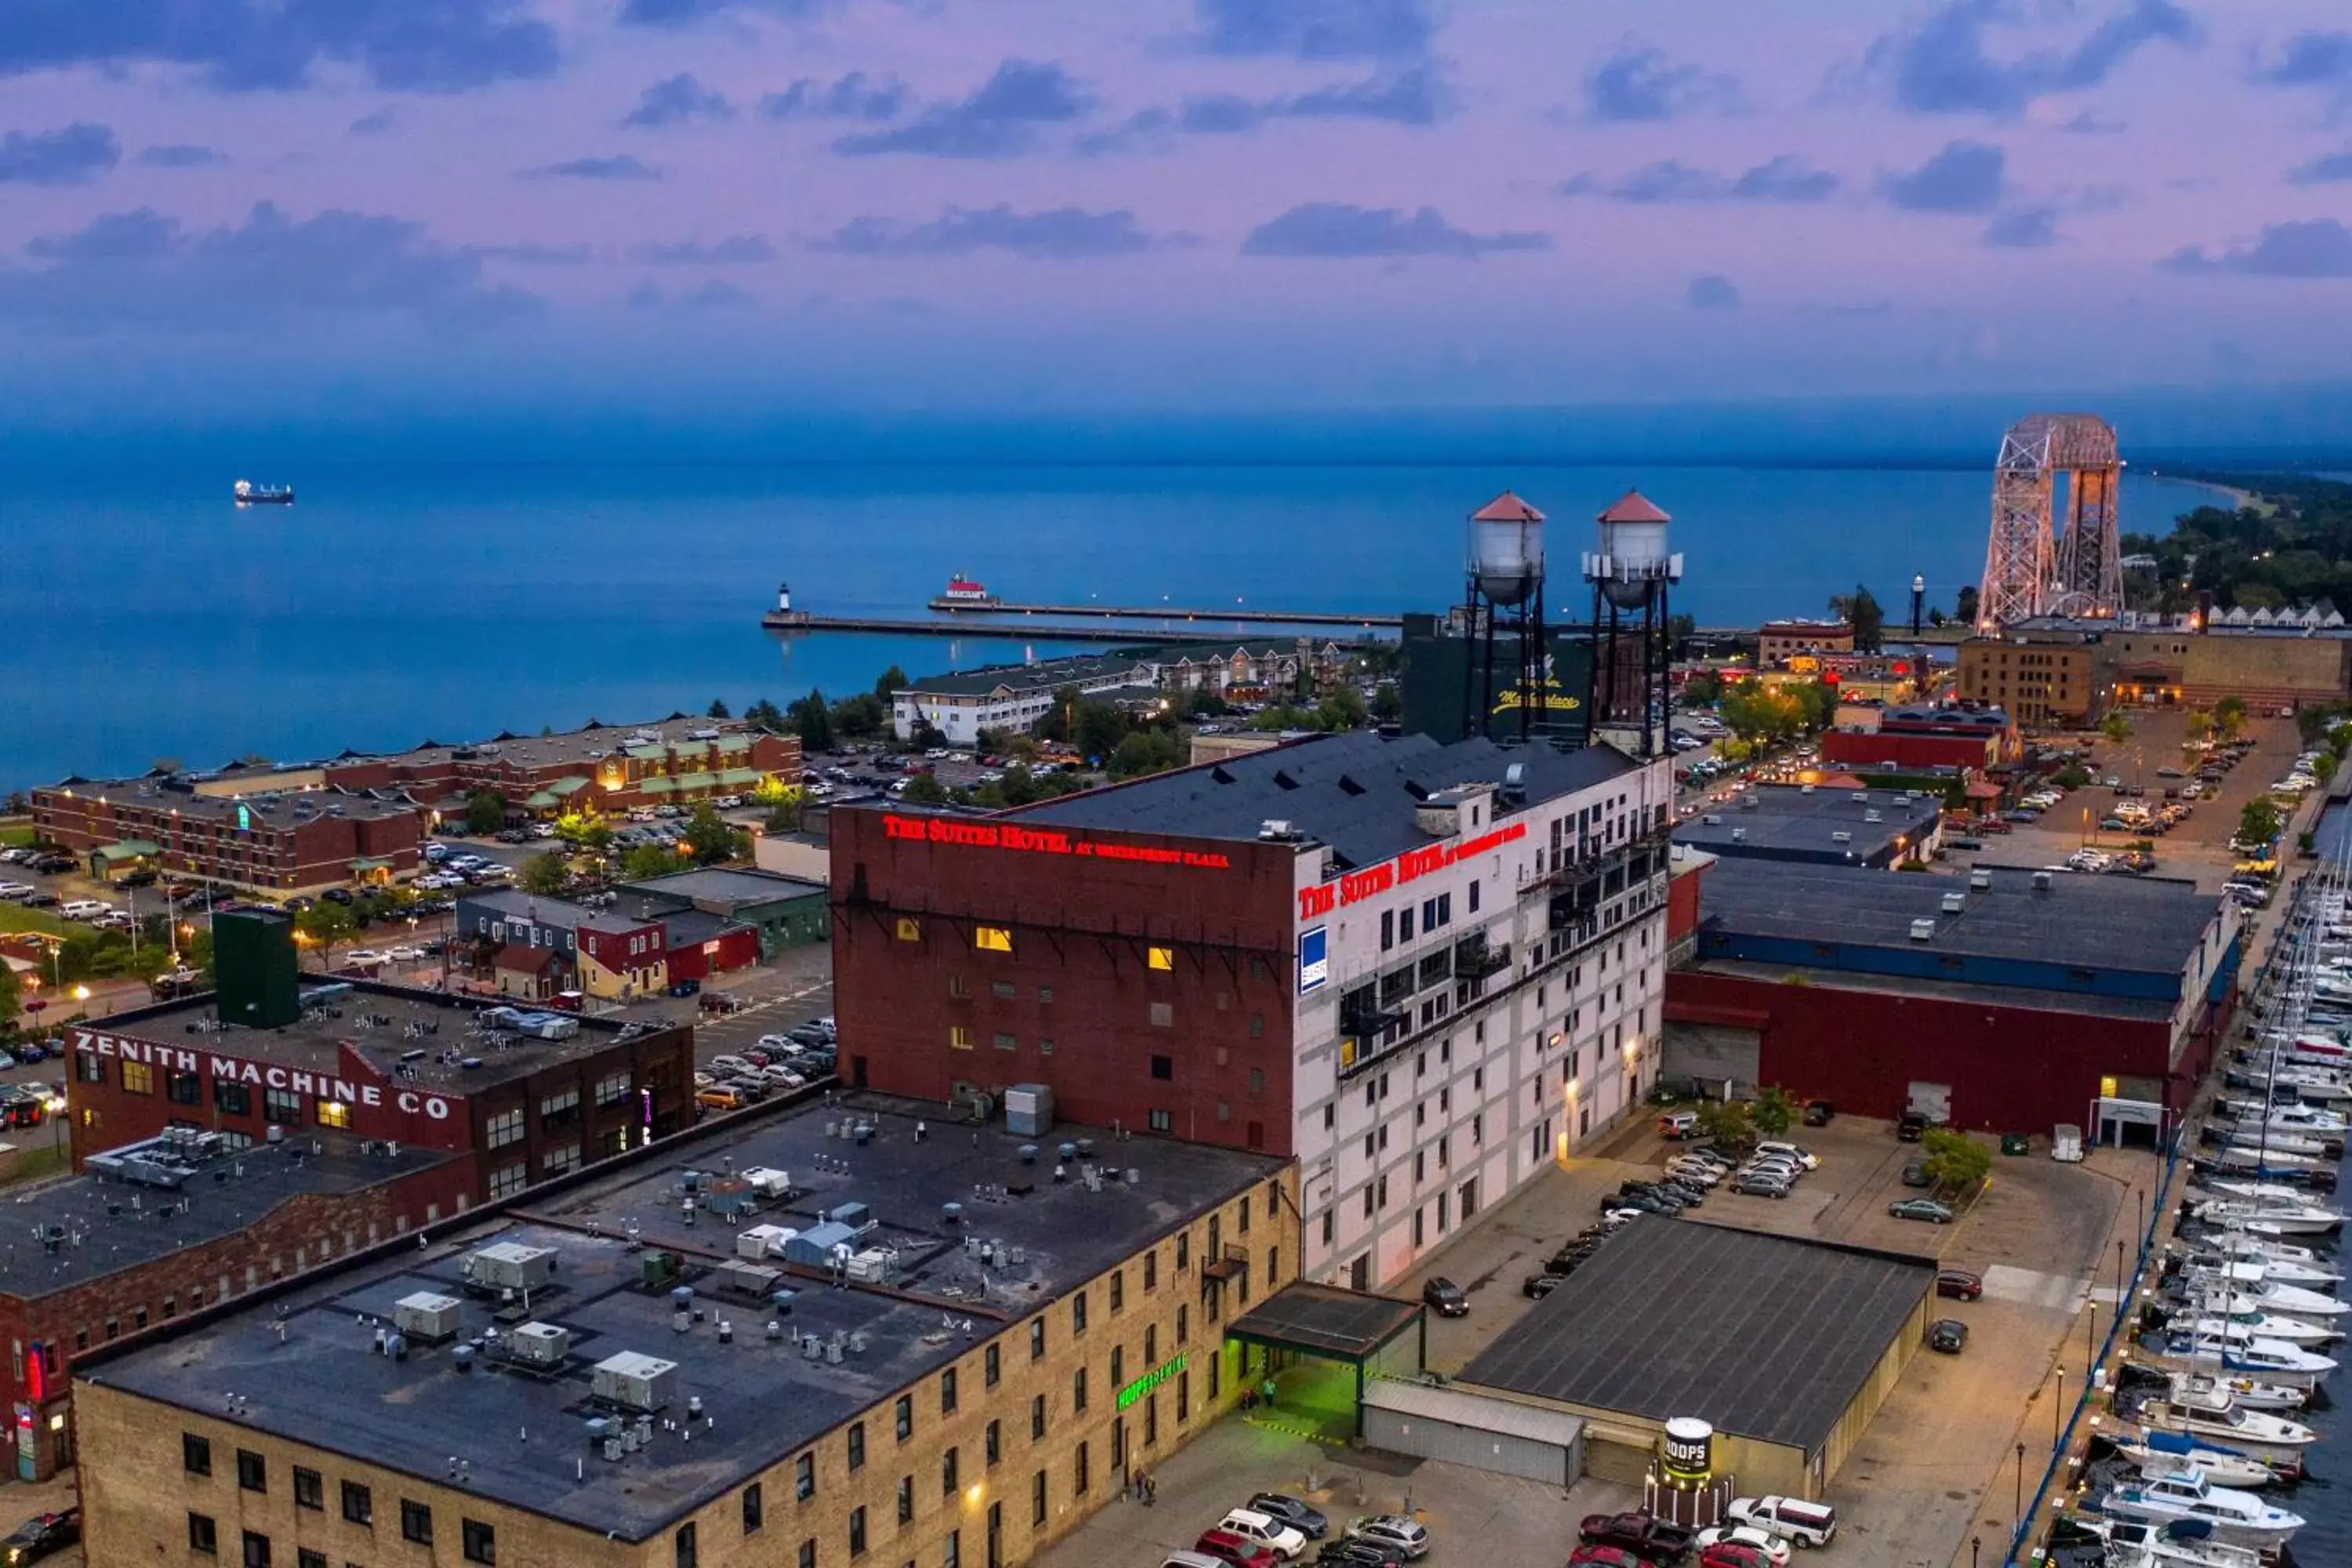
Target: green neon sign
1149	1381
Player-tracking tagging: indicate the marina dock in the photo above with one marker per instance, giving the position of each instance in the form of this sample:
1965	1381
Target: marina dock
803	621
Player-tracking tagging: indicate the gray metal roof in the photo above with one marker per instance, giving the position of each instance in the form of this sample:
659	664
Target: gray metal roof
1326	1320
721	884
1354	792
1479	1412
1766	1336
324	1387
2108	923
1790	820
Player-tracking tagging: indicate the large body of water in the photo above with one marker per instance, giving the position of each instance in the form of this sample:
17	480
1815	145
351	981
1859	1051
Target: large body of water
143	616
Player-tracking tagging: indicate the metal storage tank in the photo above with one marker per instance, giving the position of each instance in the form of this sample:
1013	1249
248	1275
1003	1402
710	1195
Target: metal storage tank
1506	549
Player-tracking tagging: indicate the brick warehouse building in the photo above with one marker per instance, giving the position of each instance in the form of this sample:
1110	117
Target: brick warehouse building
1426	970
279	842
151	1235
610	768
417	1067
2007	1000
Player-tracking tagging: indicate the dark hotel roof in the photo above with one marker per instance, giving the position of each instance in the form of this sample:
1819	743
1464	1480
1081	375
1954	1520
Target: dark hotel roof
1355	792
2088	921
1766	1336
324	1387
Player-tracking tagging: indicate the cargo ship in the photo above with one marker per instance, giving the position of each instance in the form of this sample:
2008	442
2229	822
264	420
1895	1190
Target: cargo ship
250	494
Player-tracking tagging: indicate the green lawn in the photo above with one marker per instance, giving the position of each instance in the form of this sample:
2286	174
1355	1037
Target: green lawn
17	917
16	835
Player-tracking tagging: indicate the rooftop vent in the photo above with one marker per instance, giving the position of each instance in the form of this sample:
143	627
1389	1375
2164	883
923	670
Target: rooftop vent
1874	814
1804	789
1840	836
1860	795
539	1344
2042	882
1923	931
1980	881
1739	836
1713	819
1276	830
635	1381
1515	781
1954	903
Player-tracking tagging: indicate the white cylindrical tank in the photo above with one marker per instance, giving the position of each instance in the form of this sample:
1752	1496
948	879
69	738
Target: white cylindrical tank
1506	552
1634	555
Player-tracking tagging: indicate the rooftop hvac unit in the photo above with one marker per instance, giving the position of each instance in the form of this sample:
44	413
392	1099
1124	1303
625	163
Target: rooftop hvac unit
635	1381
1923	929
1739	836
1804	789
1980	881
1954	903
508	1266
762	1241
748	1278
857	1216
1840	836
767	1183
1276	828
1713	819
2042	882
1860	795
540	1345
1874	814
426	1315
1029	1110
873	1267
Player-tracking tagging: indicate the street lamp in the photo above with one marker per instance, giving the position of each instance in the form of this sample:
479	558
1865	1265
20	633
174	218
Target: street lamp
2020	1510
2058	1412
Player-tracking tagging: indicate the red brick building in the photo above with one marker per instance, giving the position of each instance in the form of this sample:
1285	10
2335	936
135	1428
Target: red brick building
105	1259
611	768
421	1068
277	842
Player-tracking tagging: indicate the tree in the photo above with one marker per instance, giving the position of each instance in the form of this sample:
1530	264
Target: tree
1861	611
892	681
862	715
2260	822
1964	608
1774	1112
325	925
927	736
2116	726
1098	728
1204	703
1730	1124
486	811
924	790
12	997
545	875
812	720
1681	629
1062	717
645	861
2197	725
1388	707
1702	691
765	715
2229	716
2323	767
1343	709
1956	1163
709	838
785	817
2073	775
718	709
1144	751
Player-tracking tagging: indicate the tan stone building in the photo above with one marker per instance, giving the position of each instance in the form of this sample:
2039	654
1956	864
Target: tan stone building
2044	685
1776	642
942	1346
2052	673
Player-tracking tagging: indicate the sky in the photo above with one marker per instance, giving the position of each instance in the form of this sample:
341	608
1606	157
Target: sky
371	209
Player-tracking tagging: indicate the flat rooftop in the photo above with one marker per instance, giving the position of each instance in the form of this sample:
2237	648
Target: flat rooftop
2110	923
1356	792
69	1232
276	807
1794	820
1765	1336
719	885
381	1024
324	1385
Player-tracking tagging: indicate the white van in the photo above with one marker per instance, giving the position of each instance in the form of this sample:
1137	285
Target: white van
1792	1518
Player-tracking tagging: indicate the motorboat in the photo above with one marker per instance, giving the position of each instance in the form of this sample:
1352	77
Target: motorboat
2256	1434
2222	1468
2272	1361
2235	1517
2242	1265
2262	1295
2134	1544
2251	1393
2265	1326
2254	1159
2270	1220
2276	1141
2286	1115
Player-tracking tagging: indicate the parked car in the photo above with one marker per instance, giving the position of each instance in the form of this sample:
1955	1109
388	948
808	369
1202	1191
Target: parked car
1958	1284
1818	1112
1927	1209
1789	1152
1602	1555
41	1535
1538	1286
1644	1534
1678	1125
1767	1546
719	1097
1226	1547
1915	1173
1307	1521
1266	1530
1392	1530
1731	1554
1909	1125
1792	1518
1948	1335
1350	1553
1762	1184
1447	1297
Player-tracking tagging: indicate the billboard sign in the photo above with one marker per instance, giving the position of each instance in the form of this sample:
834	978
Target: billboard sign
1314	958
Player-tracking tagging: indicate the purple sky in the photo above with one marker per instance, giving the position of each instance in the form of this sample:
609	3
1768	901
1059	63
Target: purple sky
1001	204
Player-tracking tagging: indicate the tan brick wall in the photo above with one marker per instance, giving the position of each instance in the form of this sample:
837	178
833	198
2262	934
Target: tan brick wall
136	1495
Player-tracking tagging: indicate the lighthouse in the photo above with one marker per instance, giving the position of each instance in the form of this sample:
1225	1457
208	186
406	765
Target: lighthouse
784	598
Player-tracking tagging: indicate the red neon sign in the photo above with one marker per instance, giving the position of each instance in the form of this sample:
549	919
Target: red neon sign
1374	880
1029	840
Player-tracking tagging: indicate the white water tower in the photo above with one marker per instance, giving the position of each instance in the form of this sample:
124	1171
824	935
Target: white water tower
1507	554
1632	641
1632	561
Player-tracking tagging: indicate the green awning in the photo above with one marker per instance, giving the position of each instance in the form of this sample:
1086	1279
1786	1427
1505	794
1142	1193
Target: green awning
129	850
657	786
691	748
734	776
732	743
543	800
571	785
649	753
696	781
373	863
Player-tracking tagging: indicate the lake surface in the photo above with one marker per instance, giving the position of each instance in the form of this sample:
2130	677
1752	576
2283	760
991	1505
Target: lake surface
143	616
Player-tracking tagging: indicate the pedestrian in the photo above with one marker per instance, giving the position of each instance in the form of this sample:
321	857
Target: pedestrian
1150	1489
1265	1392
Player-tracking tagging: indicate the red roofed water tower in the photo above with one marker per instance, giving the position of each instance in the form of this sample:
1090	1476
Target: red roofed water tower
1631	570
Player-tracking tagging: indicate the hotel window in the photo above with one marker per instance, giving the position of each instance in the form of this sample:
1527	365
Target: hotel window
948	1392
906	1500
481	1542
993	1446
506	1127
992	938
196	1454
958	988
992	1367
1037	1419
1005	990
960	1036
754	1509
1078	1391
203	1536
1005	1042
310	1488
1160	957
909	929
507	1183
252	1472
334	1113
857	1532
138	1078
804	1473
359	1504
1163	1015
903	1417
415	1522
612	1089
684	1547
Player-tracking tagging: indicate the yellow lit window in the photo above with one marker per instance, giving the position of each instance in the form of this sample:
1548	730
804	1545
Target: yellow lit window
960	1036
993	939
909	929
1160	957
138	1078
334	1113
